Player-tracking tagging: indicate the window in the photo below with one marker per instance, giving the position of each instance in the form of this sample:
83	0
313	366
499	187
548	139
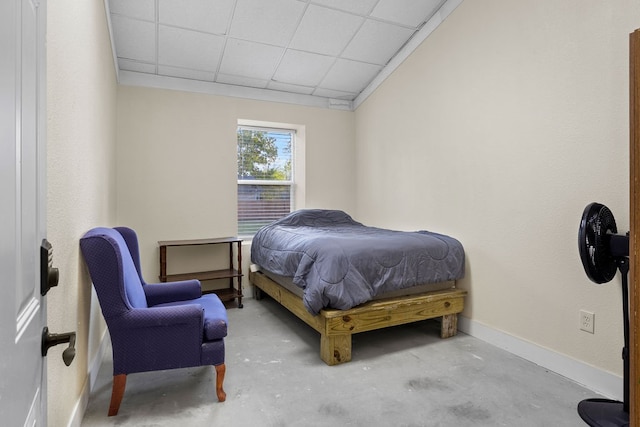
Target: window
265	176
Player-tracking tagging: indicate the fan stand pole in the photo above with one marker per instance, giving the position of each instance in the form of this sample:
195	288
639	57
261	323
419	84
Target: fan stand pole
606	412
623	266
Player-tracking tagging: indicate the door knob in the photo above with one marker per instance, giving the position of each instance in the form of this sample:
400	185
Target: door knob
49	340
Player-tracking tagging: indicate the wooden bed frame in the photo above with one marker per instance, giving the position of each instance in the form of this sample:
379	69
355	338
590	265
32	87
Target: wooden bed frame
337	326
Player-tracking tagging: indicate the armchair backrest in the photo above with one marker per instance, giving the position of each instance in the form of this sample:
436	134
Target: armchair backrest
112	271
131	239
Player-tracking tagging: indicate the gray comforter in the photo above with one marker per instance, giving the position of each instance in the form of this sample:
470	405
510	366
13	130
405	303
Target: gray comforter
341	263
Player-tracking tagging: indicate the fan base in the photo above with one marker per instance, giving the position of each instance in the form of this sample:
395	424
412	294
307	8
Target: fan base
603	413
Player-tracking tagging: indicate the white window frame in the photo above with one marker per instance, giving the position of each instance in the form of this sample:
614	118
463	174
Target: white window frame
297	183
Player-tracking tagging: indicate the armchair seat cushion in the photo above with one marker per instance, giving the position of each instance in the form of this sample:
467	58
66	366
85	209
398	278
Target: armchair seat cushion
215	315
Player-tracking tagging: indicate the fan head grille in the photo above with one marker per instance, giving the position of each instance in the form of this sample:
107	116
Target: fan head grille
596	227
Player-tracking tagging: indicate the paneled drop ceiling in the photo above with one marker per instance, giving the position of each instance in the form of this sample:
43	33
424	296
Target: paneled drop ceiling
328	53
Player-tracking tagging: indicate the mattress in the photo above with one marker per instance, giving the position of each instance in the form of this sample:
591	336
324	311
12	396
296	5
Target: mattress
340	263
287	283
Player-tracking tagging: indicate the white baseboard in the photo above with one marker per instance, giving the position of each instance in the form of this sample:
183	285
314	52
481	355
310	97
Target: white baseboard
94	367
96	363
601	382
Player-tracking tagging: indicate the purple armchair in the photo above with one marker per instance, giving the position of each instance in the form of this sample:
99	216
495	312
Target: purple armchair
152	326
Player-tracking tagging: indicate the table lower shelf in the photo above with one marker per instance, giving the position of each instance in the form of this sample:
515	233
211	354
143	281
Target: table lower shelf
226	294
202	275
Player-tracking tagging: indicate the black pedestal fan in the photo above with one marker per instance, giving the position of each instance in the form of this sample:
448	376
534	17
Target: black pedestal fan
603	252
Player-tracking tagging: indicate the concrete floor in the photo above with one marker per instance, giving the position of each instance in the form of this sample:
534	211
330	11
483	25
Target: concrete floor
401	376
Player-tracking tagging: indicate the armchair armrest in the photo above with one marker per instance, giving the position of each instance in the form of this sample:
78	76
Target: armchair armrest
179	316
159	293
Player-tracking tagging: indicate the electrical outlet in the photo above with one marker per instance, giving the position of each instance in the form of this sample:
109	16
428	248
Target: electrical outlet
587	320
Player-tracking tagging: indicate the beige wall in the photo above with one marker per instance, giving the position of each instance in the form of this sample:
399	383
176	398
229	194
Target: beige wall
504	124
177	163
81	115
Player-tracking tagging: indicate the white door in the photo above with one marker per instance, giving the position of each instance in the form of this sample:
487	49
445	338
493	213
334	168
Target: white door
22	205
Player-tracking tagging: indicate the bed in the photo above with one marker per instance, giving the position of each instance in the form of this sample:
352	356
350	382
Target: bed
342	277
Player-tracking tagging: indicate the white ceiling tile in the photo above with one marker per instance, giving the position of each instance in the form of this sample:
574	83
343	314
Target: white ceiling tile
269	22
377	42
360	7
306	90
241	81
350	76
134	39
325	31
141	9
249	59
323	48
183	73
189	49
407	12
140	67
303	68
202	15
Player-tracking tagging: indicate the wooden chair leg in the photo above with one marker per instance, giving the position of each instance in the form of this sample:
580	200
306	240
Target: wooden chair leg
220	371
119	383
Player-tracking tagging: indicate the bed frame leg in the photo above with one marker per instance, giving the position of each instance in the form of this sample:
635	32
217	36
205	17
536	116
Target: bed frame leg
335	349
449	326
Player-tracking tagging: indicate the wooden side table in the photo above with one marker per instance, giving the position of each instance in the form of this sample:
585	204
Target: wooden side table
233	272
